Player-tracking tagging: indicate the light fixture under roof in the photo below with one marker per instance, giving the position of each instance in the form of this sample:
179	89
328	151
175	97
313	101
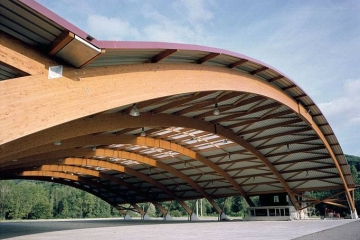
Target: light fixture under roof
134	111
57	143
143	134
216	110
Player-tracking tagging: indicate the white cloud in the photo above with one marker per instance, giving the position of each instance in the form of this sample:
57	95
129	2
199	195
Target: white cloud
344	110
111	28
165	29
183	22
352	88
343	114
196	10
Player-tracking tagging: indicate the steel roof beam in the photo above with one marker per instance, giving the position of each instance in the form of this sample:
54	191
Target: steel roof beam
298	141
281	124
303	150
254	120
303	129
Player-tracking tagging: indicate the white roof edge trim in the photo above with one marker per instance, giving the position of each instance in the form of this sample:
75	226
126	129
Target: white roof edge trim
87	43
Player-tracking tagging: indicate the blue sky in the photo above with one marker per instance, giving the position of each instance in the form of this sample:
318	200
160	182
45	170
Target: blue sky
314	42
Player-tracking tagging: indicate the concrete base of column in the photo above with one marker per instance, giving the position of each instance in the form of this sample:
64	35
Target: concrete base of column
168	217
127	217
193	217
146	217
354	214
223	217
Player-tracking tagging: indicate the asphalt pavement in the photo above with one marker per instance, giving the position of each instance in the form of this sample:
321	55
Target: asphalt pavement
97	229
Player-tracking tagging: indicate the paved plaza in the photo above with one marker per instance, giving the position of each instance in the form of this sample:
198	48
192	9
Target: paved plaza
157	229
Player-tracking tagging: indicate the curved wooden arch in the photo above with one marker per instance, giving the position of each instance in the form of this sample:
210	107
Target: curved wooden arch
62	168
154	163
160	78
129	171
151	142
55	174
161	165
63	182
106	122
38	160
236	79
135	140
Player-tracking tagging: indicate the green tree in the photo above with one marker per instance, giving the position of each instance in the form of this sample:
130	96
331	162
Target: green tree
41	210
356	177
6	187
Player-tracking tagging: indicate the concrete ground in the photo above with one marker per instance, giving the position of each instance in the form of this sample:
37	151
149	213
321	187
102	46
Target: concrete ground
98	229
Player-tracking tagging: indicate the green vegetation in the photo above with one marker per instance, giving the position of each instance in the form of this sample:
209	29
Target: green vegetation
355	170
20	199
43	200
35	200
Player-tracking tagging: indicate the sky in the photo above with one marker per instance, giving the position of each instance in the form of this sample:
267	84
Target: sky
314	42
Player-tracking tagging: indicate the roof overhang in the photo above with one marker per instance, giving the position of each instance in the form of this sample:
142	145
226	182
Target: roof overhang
267	137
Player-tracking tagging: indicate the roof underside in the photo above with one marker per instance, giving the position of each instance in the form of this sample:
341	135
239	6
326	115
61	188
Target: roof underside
285	139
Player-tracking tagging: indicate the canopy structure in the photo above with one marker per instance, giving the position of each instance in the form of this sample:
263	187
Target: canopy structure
135	122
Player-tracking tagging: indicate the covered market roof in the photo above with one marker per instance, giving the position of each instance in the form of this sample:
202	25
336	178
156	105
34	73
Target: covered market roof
136	122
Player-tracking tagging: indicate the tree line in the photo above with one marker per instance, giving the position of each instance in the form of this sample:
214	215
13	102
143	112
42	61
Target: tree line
25	199
29	199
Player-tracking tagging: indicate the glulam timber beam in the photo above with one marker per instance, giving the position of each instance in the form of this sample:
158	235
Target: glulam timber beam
18	55
61	41
91	89
145	141
207	58
97	174
237	63
108	121
160	79
154	163
74	178
127	170
77	185
164	54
